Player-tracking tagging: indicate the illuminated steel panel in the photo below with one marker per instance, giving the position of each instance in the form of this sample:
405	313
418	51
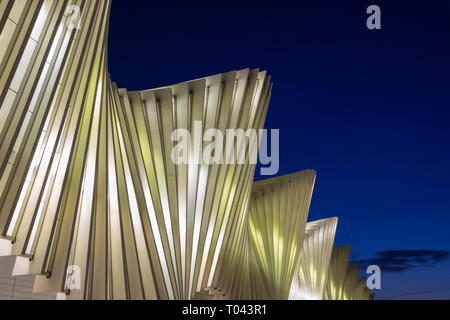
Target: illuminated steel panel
310	276
86	174
92	202
277	219
343	282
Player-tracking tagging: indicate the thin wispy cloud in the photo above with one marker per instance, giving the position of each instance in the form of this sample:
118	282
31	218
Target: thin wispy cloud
403	260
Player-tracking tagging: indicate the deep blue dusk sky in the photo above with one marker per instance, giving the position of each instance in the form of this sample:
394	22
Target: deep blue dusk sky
369	110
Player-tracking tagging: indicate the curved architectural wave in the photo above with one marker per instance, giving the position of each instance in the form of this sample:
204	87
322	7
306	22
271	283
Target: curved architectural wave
312	270
92	201
343	282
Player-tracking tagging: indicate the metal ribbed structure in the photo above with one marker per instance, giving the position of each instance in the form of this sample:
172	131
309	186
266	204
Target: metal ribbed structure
311	273
90	186
188	209
277	219
343	282
87	177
